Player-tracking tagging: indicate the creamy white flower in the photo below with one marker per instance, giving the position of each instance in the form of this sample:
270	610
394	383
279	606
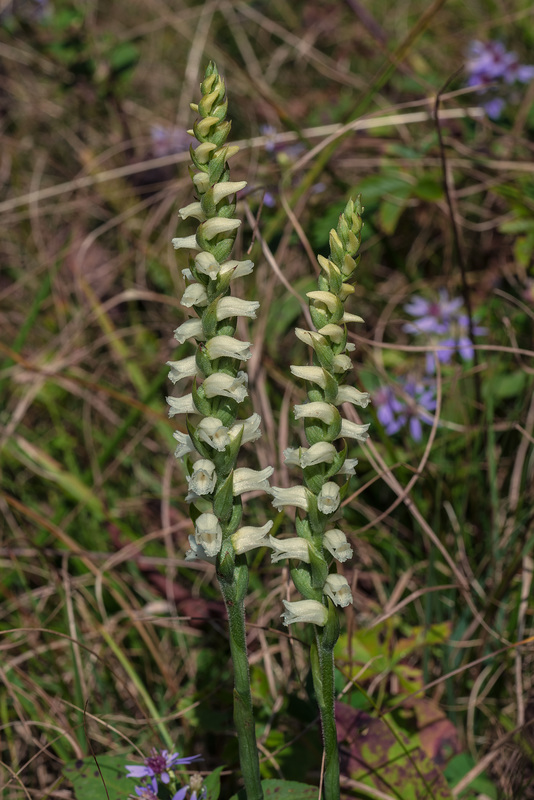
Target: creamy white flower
348	467
333	332
185	445
250	426
208	533
292	456
203	477
185	242
189	328
194	295
212	227
289	548
319	453
348	394
338	590
211	431
350	347
351	318
310	337
207	264
197	552
185	368
188	275
202	152
312	374
235	307
238	268
181	405
221	385
192	210
342	363
201	181
316	410
228	347
329	267
337	545
326	298
346	290
251	480
304	611
328	499
250	537
221	190
351	430
291	496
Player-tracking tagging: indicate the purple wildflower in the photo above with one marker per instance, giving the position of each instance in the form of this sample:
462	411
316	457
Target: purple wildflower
433	316
145	793
448	325
157	766
489	63
167	140
411	408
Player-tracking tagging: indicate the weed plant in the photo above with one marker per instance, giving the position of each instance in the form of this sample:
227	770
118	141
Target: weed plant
112	642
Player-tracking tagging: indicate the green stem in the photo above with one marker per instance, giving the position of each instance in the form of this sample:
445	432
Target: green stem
232	591
322	661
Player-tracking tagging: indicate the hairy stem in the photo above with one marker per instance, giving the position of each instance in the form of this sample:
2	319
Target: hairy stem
322	661
243	712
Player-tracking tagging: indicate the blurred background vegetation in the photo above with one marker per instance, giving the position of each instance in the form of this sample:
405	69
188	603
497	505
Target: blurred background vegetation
111	642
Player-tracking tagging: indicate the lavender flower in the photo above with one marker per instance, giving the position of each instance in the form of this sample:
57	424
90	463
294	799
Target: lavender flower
490	63
447	324
411	408
157	766
167	140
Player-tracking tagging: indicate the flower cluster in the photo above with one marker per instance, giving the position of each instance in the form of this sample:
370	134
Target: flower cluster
320	495
160	767
412	405
219	384
444	324
488	64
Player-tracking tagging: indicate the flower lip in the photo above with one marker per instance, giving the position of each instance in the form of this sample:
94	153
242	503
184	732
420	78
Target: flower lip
291	496
251	480
250	537
208	533
223	385
329	498
289	548
316	410
338	590
227	347
336	543
304	611
211	431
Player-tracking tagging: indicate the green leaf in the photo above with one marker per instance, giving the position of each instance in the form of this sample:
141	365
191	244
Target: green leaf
390	211
100	779
282	790
505	386
428	189
458	767
213	784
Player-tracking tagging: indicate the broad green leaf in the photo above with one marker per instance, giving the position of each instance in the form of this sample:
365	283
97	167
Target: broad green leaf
107	781
283	790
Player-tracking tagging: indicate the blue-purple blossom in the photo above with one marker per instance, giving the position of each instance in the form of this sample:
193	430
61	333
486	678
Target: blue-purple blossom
167	140
411	406
445	323
489	63
157	766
